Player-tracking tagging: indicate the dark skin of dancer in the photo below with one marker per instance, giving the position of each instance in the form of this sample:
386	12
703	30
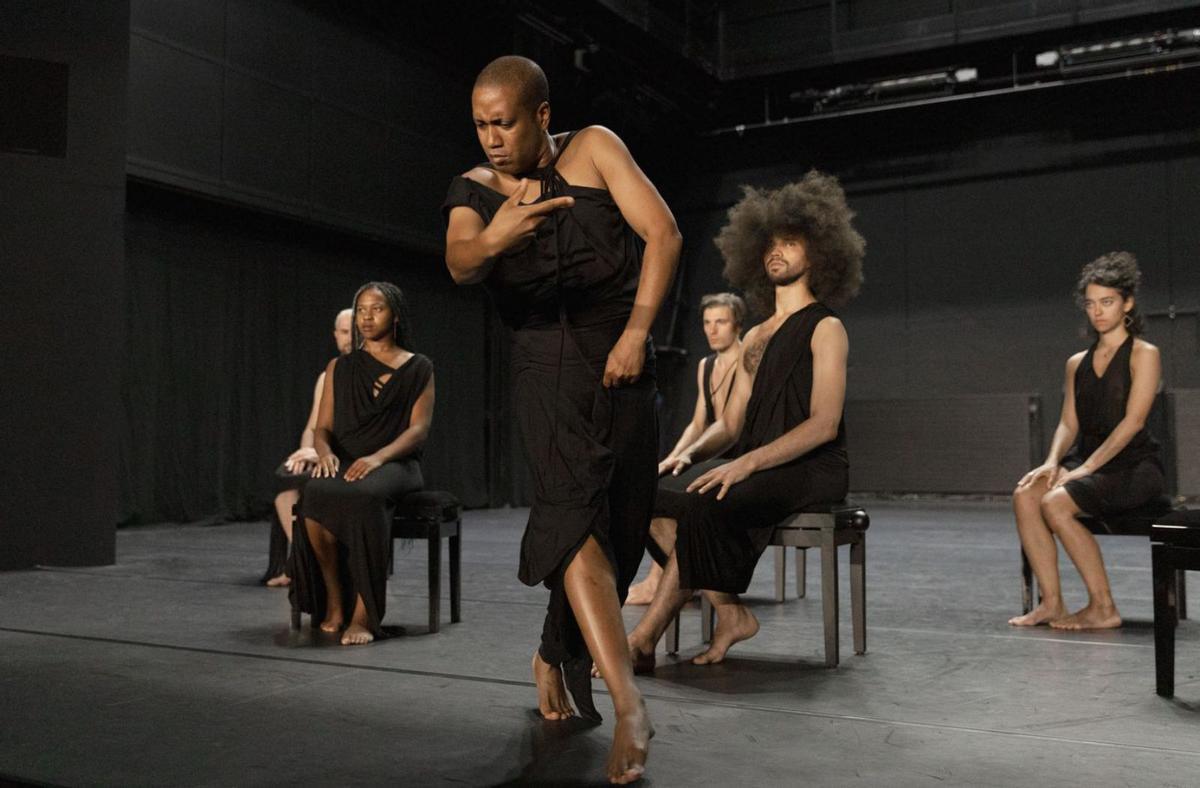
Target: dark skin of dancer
516	140
376	325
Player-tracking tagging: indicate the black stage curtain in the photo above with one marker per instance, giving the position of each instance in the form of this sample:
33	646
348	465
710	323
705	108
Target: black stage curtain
230	317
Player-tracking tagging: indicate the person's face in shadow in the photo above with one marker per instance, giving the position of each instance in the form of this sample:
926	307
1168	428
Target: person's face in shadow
373	316
343	333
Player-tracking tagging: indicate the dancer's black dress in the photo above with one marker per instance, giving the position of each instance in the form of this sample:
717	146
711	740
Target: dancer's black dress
360	513
718	543
567	297
1135	476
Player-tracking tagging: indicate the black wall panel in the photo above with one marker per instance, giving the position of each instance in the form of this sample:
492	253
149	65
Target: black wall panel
62	263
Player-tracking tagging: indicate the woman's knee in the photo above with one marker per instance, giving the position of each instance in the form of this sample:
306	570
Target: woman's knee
1056	505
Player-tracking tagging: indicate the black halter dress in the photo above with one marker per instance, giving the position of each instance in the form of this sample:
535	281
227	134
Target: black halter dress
567	297
1135	476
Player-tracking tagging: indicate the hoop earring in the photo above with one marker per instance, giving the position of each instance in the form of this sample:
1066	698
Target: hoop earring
1128	320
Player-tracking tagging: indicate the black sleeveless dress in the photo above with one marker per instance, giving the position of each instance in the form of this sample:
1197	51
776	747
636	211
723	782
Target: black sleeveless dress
592	450
1135	476
360	513
718	543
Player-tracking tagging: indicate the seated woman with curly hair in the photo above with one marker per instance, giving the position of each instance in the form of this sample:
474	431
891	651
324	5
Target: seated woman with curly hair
1115	464
374	417
793	251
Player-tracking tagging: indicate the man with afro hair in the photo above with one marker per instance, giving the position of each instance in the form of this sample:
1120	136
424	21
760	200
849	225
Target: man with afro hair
794	252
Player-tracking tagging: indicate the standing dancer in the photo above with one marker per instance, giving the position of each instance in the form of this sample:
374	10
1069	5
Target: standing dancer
1115	466
578	250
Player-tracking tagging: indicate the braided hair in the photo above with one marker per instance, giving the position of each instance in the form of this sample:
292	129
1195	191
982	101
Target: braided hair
397	304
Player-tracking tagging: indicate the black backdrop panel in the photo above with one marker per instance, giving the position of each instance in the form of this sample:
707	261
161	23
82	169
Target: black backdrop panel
229	321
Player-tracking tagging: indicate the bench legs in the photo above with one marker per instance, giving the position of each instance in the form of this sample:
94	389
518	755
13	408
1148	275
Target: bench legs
781	572
858	593
456	577
829	597
1165	584
1026	583
435	582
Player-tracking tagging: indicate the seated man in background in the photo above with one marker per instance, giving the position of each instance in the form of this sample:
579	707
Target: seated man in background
792	251
724	315
291	475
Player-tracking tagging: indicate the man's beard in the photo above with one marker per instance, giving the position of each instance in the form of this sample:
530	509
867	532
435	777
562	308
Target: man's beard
787	279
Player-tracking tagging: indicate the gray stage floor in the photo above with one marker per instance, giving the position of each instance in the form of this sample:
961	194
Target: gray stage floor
174	668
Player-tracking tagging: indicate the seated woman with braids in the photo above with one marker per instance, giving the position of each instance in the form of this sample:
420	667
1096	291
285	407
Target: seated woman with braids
1115	464
374	417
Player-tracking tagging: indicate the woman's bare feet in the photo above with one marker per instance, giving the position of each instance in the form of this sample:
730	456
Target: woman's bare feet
735	623
278	581
1042	614
631	741
334	620
643	593
1094	616
552	693
359	632
356	635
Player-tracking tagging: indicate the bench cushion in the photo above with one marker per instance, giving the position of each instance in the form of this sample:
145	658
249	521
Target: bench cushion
435	505
1135	522
1181	527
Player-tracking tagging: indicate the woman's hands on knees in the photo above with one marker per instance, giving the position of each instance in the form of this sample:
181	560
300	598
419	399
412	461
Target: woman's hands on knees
1051	472
326	467
361	467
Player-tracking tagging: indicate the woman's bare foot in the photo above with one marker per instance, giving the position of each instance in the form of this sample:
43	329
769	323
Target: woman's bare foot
1093	616
334	621
735	623
631	741
356	635
1042	614
279	580
552	693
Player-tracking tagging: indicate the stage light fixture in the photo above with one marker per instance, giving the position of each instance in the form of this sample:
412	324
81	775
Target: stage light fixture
1140	50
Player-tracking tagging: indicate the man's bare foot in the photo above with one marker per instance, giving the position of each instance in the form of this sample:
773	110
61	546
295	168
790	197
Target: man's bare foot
641	657
278	581
356	635
735	623
1091	617
631	741
552	693
1042	614
643	593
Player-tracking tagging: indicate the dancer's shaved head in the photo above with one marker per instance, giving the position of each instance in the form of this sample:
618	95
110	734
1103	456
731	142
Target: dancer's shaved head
520	74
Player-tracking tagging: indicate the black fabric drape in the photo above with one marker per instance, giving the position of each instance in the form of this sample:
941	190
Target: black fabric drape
229	323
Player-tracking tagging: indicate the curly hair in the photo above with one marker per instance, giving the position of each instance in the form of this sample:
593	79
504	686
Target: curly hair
1118	270
813	209
397	303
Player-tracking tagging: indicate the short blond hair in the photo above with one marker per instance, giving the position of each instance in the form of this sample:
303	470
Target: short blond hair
732	300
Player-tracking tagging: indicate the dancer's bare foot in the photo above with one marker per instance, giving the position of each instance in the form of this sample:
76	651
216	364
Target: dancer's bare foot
1093	616
735	623
552	693
631	741
1042	614
279	580
643	593
334	621
356	635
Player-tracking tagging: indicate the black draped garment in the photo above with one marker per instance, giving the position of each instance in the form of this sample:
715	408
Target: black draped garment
1135	476
592	450
718	543
360	513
